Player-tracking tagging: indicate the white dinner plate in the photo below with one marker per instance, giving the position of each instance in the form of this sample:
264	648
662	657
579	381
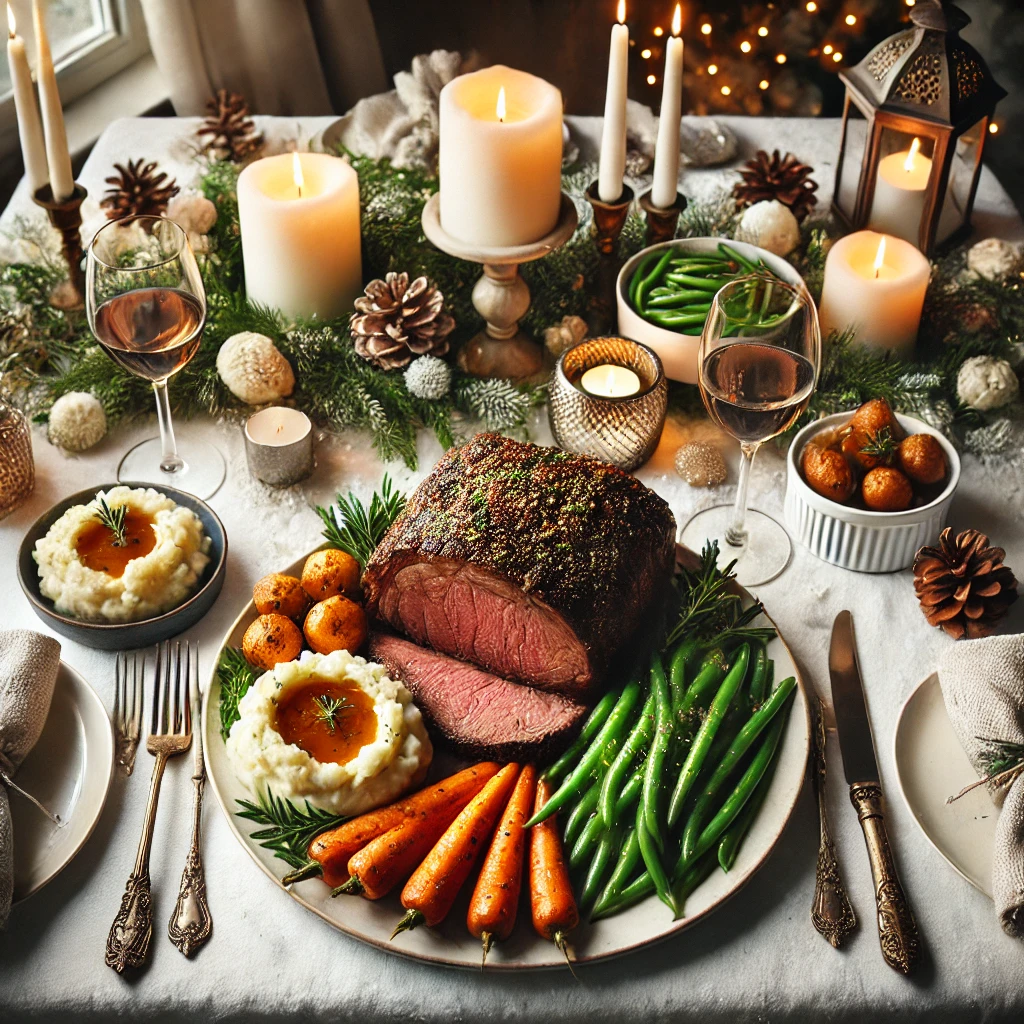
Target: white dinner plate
68	771
932	766
450	943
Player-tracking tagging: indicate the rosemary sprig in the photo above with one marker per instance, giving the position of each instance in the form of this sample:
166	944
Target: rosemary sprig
236	676
289	828
1002	761
113	519
708	610
328	708
880	445
351	526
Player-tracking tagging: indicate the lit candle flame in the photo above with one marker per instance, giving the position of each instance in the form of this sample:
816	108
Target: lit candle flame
609	381
12	27
880	256
677	21
297	173
915	148
621	14
501	104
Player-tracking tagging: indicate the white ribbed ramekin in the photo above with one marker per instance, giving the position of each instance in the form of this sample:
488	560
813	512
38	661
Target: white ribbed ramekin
857	539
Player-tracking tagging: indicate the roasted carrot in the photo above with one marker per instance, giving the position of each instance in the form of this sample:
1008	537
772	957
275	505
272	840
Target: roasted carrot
385	861
434	885
551	900
330	852
492	910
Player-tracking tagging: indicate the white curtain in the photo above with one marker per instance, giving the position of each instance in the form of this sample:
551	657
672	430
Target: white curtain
285	56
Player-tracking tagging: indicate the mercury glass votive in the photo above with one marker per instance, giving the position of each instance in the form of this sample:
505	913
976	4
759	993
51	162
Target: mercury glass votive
279	445
621	429
17	467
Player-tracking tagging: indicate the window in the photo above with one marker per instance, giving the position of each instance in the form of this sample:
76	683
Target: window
91	40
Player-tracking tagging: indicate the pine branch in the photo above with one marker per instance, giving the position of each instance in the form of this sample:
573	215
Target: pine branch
290	829
353	527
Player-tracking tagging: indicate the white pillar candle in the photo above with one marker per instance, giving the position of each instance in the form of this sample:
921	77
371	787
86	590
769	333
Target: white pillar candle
875	284
610	381
62	181
30	128
500	157
666	153
299	218
612	166
900	192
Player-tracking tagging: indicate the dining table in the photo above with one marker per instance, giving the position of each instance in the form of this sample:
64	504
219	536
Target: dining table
757	958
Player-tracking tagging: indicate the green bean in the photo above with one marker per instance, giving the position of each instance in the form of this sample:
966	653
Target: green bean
659	750
734	803
604	858
758	677
581	814
637	890
606	740
681	654
753	728
666	320
652	860
586	841
629	858
732	839
640	273
594	722
733	255
706	734
648	282
695	876
710	285
670	299
635	742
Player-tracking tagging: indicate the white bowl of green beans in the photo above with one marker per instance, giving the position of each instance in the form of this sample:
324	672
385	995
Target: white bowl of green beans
664	293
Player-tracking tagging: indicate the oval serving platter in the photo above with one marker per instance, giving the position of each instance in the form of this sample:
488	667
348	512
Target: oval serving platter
451	944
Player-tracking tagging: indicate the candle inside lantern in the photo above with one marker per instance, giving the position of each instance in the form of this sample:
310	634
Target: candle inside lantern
299	218
875	284
610	381
500	157
900	193
666	153
612	166
279	445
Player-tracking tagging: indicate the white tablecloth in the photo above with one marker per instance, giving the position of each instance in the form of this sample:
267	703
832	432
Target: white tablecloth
756	959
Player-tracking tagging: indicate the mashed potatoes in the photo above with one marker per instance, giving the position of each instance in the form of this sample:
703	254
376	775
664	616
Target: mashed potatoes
167	570
395	752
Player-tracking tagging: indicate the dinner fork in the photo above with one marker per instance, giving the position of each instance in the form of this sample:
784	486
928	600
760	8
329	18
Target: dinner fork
170	733
128	699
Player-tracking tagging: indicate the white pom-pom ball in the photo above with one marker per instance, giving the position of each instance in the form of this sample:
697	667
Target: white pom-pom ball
993	259
985	382
77	421
771	225
195	213
429	378
253	369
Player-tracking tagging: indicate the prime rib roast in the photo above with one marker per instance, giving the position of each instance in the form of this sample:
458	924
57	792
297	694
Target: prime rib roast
528	563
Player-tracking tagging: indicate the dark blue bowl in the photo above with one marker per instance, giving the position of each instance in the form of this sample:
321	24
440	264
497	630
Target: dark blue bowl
125	635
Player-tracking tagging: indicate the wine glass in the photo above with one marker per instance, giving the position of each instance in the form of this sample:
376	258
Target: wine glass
759	356
146	304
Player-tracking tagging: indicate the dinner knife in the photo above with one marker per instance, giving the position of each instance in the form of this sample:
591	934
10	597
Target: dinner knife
897	931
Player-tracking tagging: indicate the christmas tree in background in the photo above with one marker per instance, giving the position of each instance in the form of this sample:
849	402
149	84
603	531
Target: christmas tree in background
779	58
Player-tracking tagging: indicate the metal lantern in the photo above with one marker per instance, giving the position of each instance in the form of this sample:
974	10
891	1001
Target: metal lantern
917	112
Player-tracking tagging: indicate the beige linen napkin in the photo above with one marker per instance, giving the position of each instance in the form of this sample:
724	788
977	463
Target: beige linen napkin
28	671
983	686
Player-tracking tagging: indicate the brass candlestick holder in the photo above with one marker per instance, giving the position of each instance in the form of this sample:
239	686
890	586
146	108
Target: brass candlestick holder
501	296
609	219
661	222
66	217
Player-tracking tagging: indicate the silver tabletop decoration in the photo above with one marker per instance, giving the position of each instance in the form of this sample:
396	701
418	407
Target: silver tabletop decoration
279	445
623	430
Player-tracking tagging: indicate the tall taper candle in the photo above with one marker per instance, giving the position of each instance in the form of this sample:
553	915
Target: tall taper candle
612	167
666	154
30	128
62	181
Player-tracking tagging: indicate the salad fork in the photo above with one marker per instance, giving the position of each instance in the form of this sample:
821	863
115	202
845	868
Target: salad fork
170	733
128	700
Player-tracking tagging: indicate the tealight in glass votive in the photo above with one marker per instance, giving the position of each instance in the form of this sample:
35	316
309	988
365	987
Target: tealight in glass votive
608	399
279	445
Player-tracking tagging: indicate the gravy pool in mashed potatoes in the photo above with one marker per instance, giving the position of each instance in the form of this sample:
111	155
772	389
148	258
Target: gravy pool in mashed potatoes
89	577
332	729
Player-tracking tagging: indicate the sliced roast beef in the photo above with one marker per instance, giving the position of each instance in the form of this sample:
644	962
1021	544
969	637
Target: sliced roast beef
530	562
481	715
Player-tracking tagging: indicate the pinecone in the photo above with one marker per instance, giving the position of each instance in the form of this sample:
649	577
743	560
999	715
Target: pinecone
774	177
138	191
232	134
963	585
396	320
